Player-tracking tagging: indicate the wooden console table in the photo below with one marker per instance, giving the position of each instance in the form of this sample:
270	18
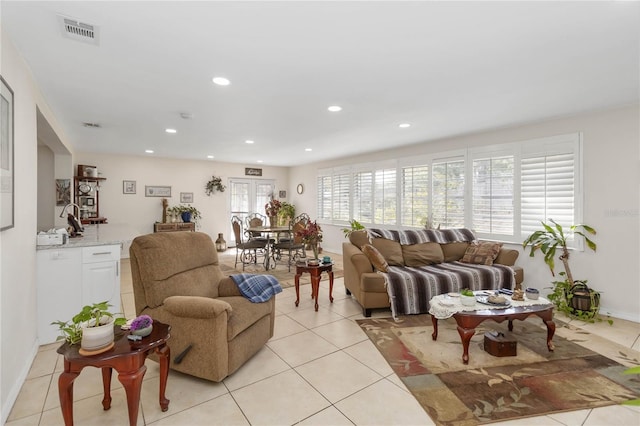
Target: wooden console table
174	227
128	358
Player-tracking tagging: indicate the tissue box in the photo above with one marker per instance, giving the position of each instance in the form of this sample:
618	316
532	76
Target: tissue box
500	344
51	239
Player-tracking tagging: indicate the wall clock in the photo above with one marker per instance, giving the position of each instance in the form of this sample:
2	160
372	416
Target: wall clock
300	188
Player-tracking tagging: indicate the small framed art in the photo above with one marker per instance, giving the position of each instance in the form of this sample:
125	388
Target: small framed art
128	186
186	197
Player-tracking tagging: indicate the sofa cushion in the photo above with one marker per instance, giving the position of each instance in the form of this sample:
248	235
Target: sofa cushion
390	250
375	257
454	251
359	238
482	253
422	254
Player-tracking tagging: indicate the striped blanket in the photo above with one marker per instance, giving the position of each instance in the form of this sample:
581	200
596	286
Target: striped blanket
257	288
411	288
417	236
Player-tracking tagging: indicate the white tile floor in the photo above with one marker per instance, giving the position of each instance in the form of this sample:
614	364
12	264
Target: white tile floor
318	369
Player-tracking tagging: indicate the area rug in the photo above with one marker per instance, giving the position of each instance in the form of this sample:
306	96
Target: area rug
281	271
584	371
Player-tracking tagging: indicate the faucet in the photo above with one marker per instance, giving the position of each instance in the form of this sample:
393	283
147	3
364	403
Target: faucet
64	209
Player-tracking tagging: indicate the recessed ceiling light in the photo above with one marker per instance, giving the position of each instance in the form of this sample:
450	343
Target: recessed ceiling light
221	81
259	161
148	151
210	156
404	125
308	149
171	130
249	142
334	108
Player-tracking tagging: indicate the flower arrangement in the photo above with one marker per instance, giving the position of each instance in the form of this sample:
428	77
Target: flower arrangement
215	184
272	207
143	321
311	233
179	209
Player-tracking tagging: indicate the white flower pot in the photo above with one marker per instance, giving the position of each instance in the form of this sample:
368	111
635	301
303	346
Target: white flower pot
467	300
95	338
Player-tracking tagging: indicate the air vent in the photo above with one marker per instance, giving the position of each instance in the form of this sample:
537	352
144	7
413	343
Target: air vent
79	31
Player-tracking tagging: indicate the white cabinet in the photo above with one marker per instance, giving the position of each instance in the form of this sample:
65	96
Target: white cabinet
69	278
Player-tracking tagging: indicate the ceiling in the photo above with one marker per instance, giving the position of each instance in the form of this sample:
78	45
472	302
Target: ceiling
447	68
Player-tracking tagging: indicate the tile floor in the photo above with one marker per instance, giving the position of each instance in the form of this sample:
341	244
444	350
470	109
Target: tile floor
318	369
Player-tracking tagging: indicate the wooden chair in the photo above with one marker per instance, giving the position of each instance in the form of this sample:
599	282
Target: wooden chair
246	251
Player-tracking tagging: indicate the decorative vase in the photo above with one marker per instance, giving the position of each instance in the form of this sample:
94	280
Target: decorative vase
273	220
186	216
144	332
95	338
314	247
221	244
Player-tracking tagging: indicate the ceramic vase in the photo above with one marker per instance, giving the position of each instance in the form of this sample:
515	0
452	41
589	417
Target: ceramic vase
186	216
95	338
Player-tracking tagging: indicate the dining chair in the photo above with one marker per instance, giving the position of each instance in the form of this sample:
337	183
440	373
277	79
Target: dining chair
253	220
246	251
293	246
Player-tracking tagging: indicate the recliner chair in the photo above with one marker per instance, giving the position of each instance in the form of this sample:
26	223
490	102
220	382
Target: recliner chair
177	280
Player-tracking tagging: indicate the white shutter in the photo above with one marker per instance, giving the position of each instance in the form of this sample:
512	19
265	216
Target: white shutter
363	196
385	196
341	197
414	196
324	198
448	179
493	195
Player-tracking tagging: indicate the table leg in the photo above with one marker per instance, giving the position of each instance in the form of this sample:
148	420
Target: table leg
551	329
163	355
510	325
106	384
132	383
65	391
297	282
331	286
434	321
315	288
465	335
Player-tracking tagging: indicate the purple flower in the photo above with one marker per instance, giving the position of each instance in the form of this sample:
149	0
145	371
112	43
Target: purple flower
143	321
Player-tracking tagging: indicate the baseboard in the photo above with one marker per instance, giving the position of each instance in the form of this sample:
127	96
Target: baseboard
13	393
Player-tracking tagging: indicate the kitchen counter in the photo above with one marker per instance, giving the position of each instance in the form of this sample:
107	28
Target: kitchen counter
98	235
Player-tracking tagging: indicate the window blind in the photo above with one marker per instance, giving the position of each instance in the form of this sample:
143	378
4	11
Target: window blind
414	196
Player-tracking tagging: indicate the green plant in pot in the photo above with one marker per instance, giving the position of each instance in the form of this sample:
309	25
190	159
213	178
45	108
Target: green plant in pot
187	212
92	319
286	213
571	296
354	226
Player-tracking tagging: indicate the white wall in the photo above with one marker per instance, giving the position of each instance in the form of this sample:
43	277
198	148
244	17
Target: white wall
611	202
18	245
139	213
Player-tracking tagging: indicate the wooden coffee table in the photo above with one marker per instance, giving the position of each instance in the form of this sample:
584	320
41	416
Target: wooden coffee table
469	320
315	271
128	358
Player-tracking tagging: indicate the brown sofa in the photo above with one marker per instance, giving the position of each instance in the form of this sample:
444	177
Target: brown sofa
177	280
368	286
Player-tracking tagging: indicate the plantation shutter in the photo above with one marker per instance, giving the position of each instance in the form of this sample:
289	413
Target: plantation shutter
363	196
340	190
324	194
448	177
493	195
385	196
414	196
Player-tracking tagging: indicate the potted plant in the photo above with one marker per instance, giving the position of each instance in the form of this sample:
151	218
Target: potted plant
272	208
287	212
355	226
311	235
92	327
187	212
467	298
570	296
215	184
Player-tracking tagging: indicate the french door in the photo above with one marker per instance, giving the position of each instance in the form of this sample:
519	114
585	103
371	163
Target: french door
249	196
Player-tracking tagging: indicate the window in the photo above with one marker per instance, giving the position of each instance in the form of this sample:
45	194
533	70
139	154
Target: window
447	204
502	191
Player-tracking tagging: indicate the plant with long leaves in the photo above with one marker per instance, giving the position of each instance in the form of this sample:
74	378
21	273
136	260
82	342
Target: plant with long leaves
552	239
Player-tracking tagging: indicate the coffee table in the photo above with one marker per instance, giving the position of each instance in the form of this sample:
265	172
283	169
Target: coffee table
128	358
468	321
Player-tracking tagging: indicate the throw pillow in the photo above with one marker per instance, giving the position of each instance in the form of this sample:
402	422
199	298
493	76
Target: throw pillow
422	254
483	253
390	250
454	251
375	257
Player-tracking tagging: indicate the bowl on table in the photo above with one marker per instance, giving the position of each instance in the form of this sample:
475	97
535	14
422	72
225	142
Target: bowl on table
532	293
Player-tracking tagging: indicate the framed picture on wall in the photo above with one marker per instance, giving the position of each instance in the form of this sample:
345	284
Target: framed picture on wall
186	197
128	186
7	173
157	191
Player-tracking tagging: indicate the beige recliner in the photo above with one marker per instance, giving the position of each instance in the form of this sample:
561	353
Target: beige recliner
177	280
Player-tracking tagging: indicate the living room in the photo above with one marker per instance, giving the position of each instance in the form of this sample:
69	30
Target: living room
610	197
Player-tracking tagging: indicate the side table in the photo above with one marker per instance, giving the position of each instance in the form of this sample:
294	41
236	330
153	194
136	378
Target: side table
315	271
128	358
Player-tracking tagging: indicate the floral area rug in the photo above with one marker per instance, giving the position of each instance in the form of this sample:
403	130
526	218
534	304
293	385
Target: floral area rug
584	371
285	277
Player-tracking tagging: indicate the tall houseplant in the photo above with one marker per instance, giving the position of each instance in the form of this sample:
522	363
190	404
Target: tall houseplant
551	240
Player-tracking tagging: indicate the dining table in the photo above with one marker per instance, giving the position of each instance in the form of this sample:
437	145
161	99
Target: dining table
273	235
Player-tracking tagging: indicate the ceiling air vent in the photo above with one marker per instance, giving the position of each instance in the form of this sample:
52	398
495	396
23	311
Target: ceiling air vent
79	31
